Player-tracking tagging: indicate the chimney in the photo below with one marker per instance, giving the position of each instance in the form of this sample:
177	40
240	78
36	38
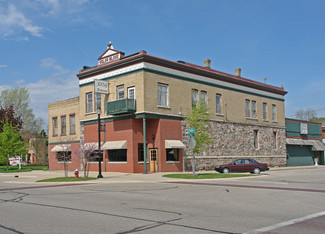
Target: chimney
207	63
238	72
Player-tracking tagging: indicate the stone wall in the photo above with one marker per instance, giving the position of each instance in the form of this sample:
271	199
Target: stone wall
236	140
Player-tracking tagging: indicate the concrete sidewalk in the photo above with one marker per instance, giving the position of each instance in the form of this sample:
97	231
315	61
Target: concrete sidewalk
109	177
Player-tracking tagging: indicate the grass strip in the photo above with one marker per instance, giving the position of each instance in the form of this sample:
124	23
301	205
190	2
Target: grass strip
24	168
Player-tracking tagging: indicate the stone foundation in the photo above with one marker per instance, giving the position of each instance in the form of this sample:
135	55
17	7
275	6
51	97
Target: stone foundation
231	141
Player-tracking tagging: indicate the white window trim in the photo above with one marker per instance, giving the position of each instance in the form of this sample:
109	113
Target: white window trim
167	95
117	92
131	88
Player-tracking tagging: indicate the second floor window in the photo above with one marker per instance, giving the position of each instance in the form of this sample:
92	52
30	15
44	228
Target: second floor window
247	108
72	124
120	92
264	111
55	126
63	125
273	112
98	100
194	98
131	93
254	109
162	95
89	102
218	104
203	98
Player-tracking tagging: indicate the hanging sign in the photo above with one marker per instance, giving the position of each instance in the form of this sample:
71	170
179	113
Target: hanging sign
101	86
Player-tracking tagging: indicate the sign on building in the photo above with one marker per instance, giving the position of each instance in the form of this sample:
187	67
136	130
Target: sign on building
303	128
101	86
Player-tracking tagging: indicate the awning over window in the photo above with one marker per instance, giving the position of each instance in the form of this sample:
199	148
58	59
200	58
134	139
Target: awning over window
317	145
91	146
112	145
61	148
174	144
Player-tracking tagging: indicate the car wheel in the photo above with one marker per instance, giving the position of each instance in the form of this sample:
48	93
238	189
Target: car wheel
256	170
225	170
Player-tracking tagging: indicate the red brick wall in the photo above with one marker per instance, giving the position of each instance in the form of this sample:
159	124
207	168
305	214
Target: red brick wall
54	165
158	130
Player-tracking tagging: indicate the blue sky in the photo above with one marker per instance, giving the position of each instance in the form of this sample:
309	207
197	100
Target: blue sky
44	43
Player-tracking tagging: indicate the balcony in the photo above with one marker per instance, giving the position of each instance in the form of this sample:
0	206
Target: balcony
123	106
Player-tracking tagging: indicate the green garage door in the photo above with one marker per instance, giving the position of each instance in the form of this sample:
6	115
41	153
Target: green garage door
299	155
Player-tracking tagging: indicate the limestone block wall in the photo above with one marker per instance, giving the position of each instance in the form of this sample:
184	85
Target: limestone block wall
236	140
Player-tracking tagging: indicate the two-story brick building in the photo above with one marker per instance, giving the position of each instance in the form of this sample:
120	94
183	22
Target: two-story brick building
143	115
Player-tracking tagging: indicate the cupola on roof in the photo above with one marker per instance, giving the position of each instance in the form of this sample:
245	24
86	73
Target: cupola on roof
110	55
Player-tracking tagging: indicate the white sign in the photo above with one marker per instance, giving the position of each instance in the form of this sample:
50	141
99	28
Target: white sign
14	161
101	86
109	59
303	128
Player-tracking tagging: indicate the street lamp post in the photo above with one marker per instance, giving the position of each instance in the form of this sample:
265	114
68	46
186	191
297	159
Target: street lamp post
99	152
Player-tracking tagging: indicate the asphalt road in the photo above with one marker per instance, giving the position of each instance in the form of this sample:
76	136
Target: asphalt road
286	201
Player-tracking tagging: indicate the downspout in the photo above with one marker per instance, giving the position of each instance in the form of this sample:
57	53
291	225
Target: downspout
144	146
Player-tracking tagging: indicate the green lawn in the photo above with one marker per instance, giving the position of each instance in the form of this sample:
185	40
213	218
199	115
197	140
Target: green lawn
67	179
24	168
205	176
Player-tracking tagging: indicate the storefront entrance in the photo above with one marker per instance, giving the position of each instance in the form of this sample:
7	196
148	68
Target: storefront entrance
153	158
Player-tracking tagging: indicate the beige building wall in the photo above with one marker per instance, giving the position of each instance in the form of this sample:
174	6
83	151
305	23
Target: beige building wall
233	102
64	108
132	80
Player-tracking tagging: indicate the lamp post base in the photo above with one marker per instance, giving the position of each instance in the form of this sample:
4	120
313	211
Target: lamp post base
100	176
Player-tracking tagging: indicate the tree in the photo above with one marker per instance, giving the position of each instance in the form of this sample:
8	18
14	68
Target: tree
9	115
198	119
19	99
65	153
87	152
307	114
11	143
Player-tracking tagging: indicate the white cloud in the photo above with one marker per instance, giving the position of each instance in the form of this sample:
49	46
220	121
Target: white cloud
60	85
50	63
19	82
3	66
66	7
12	19
50	90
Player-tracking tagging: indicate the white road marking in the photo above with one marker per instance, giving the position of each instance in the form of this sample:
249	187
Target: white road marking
287	223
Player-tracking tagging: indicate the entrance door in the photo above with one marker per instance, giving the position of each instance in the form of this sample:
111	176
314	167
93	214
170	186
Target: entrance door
153	160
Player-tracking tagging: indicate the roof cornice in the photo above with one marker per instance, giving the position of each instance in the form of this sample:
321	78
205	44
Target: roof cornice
142	56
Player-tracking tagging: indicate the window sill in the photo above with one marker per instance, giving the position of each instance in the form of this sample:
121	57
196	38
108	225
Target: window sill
55	135
117	162
274	121
63	162
73	133
254	119
219	114
63	134
90	113
163	107
265	120
172	161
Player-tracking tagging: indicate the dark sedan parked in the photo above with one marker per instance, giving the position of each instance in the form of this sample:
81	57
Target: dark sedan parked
243	165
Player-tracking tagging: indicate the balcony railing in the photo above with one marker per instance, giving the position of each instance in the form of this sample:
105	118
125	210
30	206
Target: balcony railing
123	106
